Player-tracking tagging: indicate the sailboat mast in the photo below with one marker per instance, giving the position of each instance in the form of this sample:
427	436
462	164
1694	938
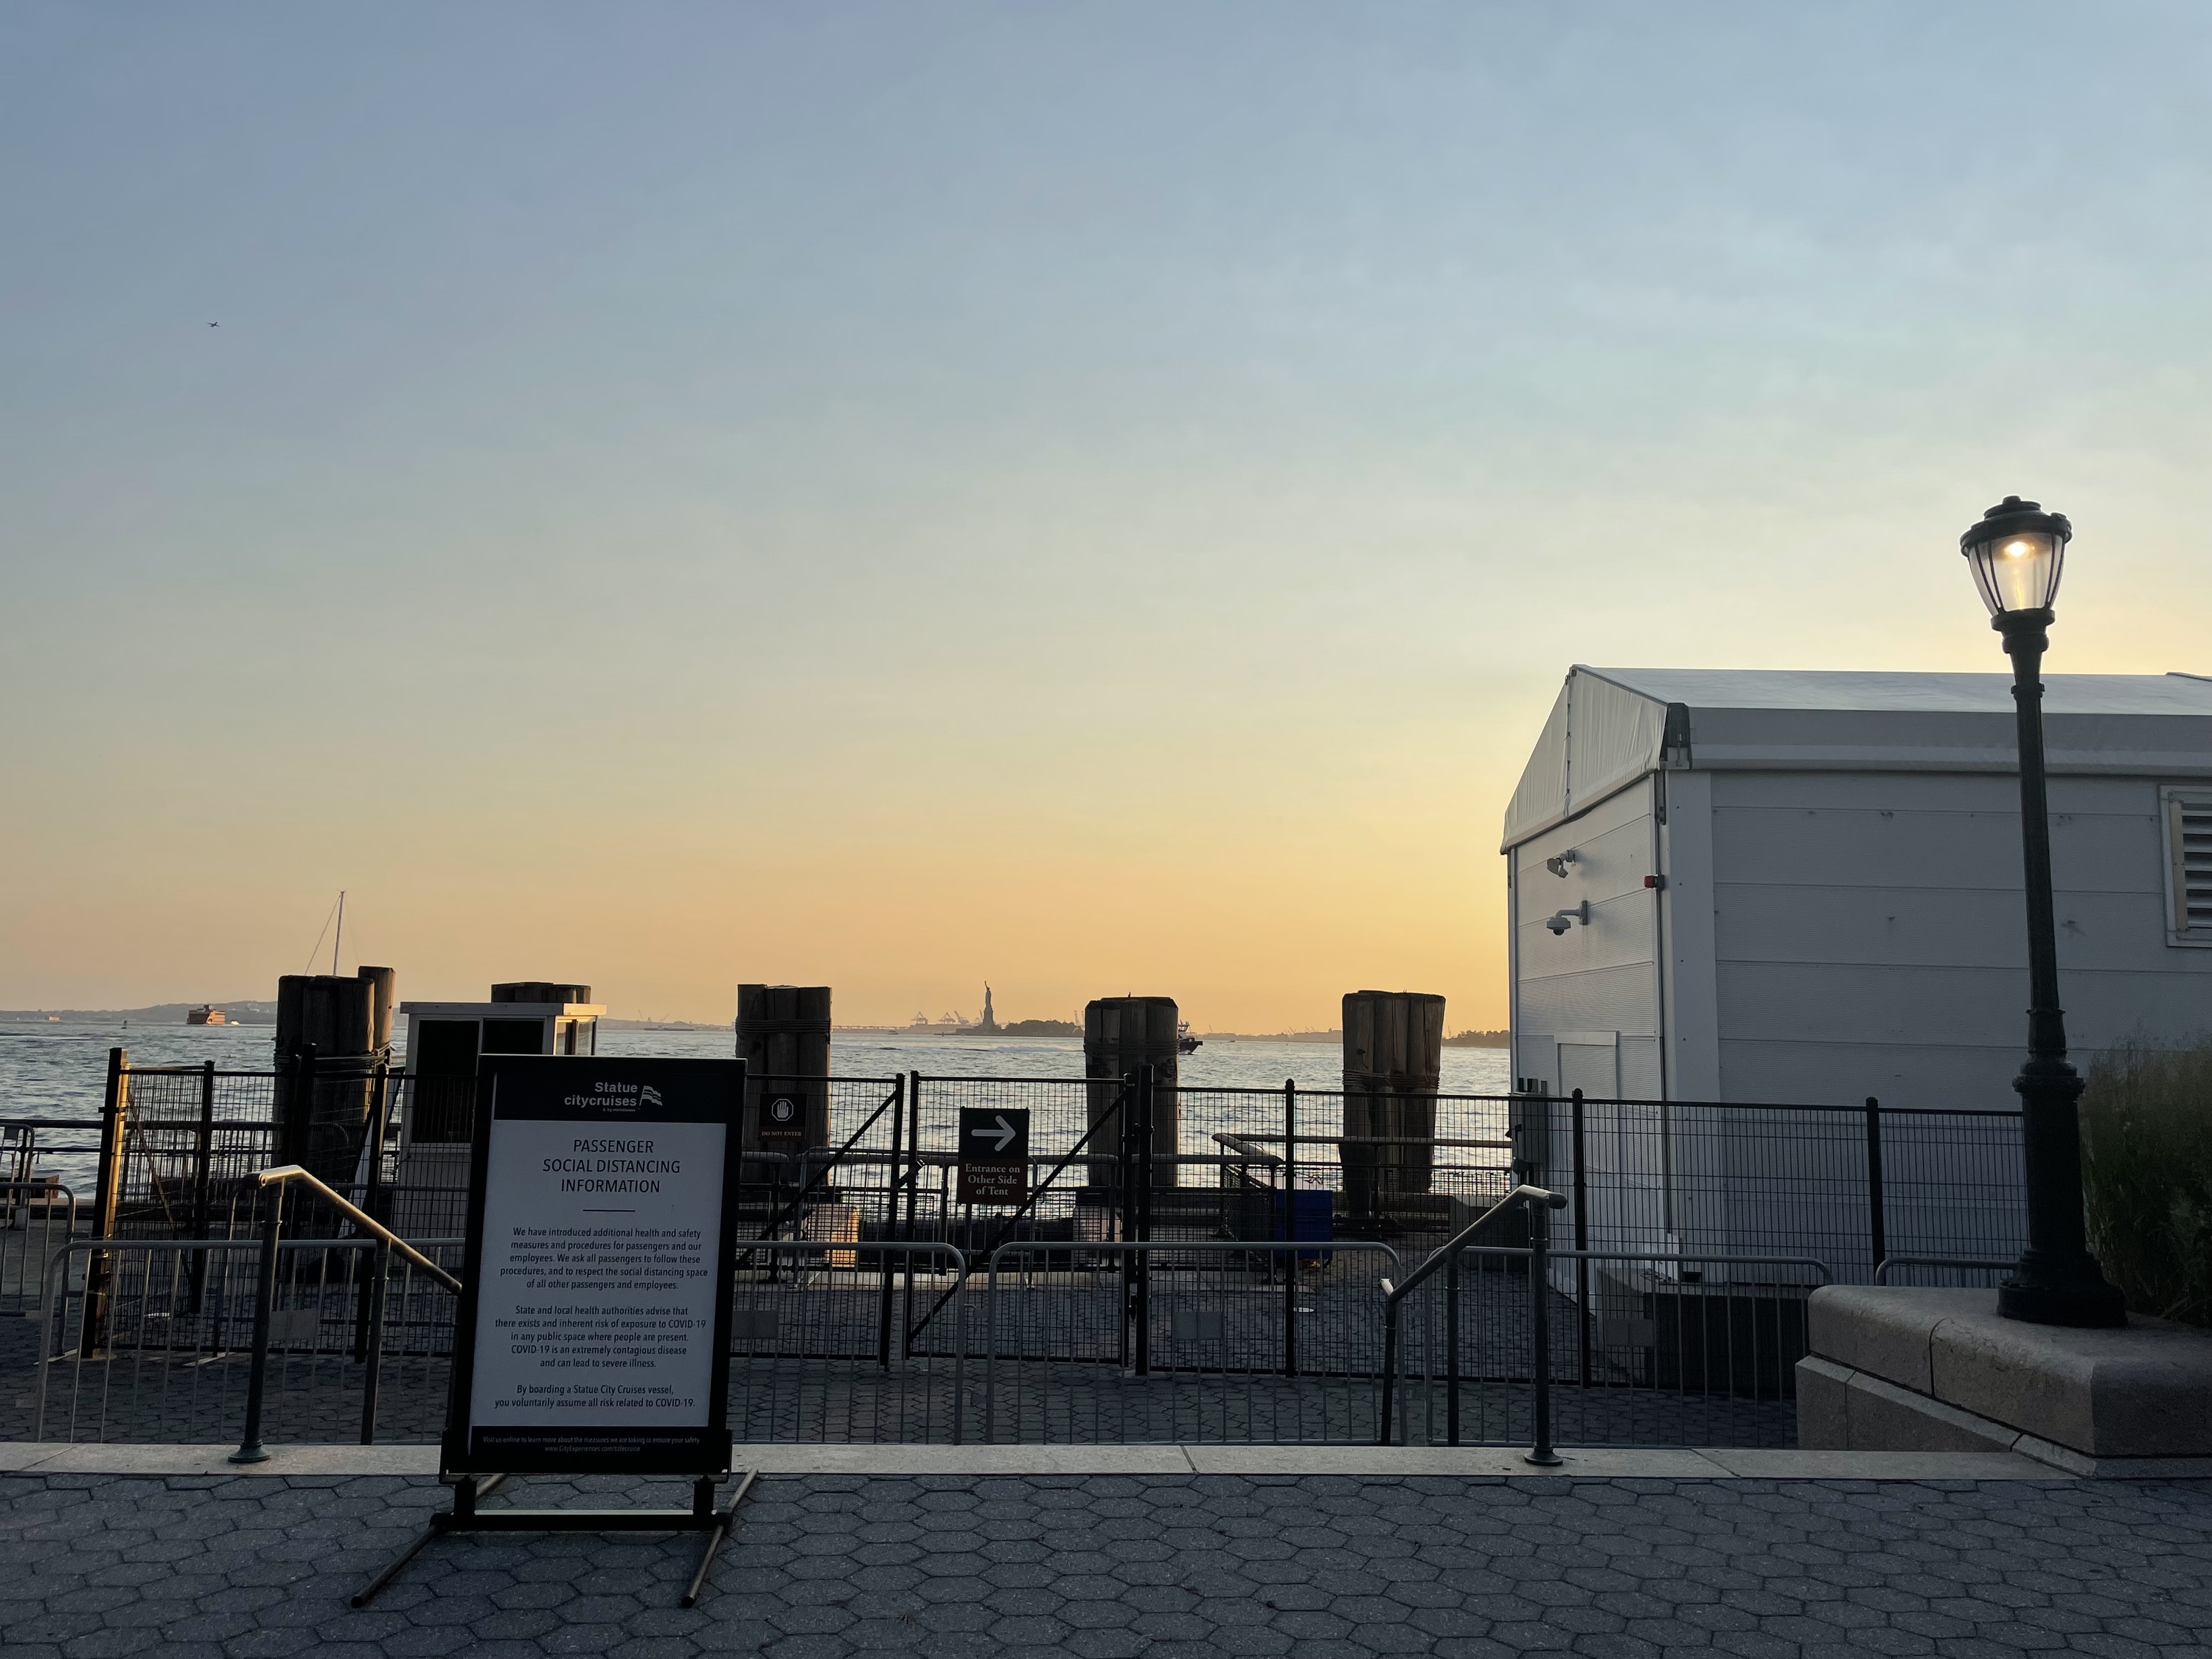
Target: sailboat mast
340	934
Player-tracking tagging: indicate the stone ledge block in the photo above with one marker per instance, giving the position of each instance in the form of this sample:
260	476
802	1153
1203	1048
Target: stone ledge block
1884	1330
2141	1391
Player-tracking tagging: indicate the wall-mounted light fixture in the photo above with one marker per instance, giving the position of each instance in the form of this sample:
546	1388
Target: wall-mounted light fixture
1560	863
1559	920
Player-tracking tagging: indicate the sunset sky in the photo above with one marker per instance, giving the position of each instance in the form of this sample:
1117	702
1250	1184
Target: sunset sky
1097	498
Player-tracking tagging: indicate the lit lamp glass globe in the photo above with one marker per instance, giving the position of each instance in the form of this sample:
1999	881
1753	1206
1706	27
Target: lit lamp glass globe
2017	552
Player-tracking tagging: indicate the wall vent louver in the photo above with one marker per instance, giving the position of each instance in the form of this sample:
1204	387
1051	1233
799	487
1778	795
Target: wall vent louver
2189	851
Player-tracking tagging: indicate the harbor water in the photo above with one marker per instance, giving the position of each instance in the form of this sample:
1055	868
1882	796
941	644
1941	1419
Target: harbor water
60	1071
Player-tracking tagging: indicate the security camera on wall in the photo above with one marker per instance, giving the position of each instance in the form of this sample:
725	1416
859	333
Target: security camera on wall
1559	920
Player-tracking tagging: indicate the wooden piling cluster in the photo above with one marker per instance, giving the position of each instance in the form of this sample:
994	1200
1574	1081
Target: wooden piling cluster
1121	1034
783	1037
1392	1063
342	1026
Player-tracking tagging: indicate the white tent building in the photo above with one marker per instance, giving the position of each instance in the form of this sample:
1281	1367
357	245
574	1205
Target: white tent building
1805	889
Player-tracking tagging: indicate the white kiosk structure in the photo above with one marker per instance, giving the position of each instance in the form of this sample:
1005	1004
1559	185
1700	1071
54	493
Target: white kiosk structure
444	1042
1805	889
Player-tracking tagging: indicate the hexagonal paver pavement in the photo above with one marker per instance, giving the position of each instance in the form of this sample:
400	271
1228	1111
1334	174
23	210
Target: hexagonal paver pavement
993	1567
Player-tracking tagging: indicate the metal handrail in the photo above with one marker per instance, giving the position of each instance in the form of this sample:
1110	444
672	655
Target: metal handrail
1394	1294
1174	1246
1881	1268
1539	1201
1246	1149
1256	1136
1676	1258
360	1218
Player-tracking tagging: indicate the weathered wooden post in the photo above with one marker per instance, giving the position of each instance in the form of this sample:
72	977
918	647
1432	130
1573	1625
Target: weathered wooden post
783	1037
1121	1036
346	1022
1392	1061
382	984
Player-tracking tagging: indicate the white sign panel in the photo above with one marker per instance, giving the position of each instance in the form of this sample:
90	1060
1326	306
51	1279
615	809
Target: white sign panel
600	1265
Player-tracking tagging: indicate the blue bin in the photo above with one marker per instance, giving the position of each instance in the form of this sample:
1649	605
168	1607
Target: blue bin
1312	1217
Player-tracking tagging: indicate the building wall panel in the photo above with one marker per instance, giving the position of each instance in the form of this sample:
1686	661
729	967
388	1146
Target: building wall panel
1903	847
1610	1000
1882	913
1965	927
1597	976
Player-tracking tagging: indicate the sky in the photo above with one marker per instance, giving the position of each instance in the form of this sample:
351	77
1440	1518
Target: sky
1097	498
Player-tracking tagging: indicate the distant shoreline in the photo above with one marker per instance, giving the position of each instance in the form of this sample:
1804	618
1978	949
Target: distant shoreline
1464	1040
264	1014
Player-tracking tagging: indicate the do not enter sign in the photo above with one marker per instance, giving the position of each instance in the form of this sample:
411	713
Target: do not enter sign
782	1123
994	1155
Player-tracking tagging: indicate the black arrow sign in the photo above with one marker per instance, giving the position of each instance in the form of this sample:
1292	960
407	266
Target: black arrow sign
994	1155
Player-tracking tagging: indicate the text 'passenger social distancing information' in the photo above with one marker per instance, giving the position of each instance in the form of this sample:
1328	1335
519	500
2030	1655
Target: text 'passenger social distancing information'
599	1278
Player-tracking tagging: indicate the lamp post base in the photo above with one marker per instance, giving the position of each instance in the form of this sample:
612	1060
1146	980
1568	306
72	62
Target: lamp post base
2048	1289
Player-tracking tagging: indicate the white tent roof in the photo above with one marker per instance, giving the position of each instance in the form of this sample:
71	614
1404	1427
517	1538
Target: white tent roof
1610	726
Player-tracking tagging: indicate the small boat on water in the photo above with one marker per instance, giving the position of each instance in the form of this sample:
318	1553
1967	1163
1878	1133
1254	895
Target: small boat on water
1185	1042
205	1016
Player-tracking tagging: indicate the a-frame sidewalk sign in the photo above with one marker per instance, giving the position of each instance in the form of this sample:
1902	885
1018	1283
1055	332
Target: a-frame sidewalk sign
593	1335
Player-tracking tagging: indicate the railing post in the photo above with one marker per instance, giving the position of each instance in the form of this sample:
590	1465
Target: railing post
890	1229
1124	1169
1877	1207
1128	1163
373	1375
92	1330
960	1346
57	1264
203	1157
991	1350
1385	1427
1539	1321
1143	1254
1290	1226
1582	1242
372	1201
379	1130
1451	1344
912	1201
250	1449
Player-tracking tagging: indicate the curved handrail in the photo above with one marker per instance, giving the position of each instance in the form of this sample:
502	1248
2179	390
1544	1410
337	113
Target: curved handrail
282	1173
1395	1294
1881	1267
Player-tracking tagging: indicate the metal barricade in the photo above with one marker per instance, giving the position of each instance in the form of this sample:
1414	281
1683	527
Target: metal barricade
812	1355
1184	1340
350	1354
1632	1349
37	1217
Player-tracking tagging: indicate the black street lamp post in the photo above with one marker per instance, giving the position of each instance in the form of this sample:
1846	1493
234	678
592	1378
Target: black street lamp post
2015	552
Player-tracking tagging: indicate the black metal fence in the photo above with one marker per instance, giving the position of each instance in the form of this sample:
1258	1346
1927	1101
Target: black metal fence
1846	1186
1193	1264
153	1340
1192	1340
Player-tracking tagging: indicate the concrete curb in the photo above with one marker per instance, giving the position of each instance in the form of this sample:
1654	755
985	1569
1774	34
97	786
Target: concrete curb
419	1463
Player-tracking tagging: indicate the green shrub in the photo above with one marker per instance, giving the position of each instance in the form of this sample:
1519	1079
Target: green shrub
2146	1176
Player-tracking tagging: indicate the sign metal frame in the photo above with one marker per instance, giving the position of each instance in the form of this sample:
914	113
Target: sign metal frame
475	1463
